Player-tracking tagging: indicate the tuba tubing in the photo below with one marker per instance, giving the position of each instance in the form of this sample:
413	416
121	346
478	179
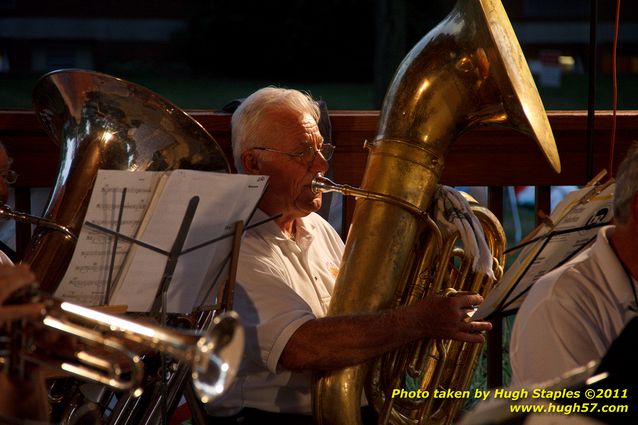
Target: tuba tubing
103	122
8	212
324	184
467	72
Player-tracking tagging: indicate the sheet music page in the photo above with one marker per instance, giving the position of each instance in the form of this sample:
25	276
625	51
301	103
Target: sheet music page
86	278
542	256
218	271
223	199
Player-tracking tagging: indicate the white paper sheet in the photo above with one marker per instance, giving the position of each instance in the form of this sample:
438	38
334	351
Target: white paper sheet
579	208
223	200
85	280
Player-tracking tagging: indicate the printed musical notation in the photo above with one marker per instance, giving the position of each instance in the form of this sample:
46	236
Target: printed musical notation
86	279
223	200
152	213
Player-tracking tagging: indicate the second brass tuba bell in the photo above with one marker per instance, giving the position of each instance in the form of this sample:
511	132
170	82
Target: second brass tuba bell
103	122
467	72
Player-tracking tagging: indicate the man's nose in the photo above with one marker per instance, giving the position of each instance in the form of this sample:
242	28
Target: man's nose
319	163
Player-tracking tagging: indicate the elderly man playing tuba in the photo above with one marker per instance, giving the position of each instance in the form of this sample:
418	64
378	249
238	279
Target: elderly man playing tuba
287	270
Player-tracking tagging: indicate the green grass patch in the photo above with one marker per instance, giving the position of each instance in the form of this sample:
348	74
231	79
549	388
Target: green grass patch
205	93
213	93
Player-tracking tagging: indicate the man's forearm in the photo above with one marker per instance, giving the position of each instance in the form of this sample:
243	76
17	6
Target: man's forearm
336	342
341	341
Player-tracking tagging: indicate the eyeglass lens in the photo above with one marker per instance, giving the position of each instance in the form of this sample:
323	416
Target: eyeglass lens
9	176
326	152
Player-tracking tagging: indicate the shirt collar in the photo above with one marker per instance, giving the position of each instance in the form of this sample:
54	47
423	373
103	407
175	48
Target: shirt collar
614	272
270	230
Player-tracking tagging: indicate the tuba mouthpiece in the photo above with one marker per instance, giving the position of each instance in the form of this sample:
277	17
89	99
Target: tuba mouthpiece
324	184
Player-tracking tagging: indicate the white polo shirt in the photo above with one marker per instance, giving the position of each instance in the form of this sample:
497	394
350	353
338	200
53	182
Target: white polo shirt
572	315
281	284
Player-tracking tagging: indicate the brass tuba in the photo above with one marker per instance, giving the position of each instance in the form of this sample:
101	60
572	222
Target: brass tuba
103	122
432	365
467	72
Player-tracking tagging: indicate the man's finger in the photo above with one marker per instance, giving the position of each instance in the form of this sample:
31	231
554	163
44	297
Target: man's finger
14	312
13	278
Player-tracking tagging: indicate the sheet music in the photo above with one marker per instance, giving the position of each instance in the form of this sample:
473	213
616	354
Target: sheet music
224	199
85	280
577	209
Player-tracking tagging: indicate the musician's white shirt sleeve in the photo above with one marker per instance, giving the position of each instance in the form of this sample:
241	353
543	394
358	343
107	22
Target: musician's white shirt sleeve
571	315
281	284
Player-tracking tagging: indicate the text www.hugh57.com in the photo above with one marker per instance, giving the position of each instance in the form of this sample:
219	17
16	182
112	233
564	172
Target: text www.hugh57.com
568	409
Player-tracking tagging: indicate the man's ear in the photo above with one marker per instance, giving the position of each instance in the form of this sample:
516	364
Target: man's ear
249	162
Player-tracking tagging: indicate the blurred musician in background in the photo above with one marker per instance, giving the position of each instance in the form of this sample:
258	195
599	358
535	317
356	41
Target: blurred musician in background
20	397
573	314
7	178
287	270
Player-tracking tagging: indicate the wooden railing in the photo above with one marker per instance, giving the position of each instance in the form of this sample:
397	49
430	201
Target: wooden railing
491	157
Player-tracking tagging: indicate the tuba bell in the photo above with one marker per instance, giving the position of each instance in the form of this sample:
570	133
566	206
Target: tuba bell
103	122
467	72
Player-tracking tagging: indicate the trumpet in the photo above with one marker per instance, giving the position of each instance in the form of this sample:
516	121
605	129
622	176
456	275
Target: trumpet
213	354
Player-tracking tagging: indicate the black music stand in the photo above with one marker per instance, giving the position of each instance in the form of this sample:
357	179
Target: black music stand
159	306
570	229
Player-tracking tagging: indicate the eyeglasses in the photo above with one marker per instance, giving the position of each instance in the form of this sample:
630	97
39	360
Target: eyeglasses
307	155
9	176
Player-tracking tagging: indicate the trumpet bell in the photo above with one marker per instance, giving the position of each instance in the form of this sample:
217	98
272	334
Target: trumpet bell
213	355
218	357
103	122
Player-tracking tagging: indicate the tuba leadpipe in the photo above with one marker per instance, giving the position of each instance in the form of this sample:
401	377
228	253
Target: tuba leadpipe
213	355
9	213
324	184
